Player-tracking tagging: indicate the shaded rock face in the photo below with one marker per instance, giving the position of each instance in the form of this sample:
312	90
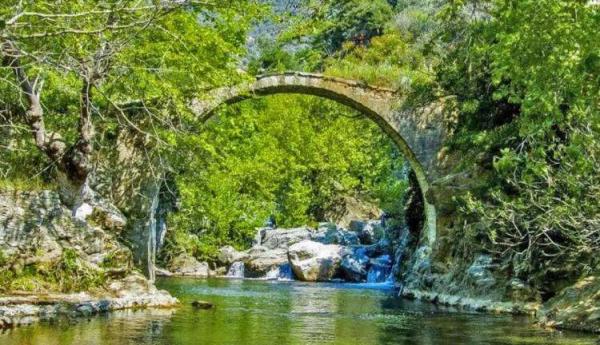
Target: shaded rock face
38	233
187	265
354	267
314	261
380	269
228	255
328	233
575	307
368	232
261	260
282	238
36	229
350	209
480	272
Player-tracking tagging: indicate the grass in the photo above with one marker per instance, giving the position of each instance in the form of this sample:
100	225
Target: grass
69	274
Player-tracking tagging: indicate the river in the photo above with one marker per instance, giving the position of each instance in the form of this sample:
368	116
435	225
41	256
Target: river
278	313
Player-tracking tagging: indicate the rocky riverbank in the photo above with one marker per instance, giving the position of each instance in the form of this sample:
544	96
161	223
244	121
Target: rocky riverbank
133	292
361	253
57	262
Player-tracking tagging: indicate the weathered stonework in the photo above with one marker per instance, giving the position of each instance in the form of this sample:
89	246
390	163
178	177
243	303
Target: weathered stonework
418	132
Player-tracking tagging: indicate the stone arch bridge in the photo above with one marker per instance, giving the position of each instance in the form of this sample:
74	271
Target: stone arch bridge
418	132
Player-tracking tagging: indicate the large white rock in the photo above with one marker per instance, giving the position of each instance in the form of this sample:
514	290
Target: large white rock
314	261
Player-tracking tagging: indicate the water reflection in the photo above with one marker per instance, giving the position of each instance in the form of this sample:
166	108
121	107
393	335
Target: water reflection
262	312
120	327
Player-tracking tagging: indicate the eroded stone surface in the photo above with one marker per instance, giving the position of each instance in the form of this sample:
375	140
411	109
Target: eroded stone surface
576	307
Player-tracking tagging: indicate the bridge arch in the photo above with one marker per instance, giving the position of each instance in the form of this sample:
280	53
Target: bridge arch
416	132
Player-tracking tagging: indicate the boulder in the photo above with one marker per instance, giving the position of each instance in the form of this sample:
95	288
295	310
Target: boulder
575	307
161	272
368	232
328	233
202	305
261	260
314	261
283	238
187	265
353	270
228	255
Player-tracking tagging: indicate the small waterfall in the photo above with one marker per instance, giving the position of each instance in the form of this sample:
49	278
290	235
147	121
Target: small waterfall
236	270
151	240
283	272
380	270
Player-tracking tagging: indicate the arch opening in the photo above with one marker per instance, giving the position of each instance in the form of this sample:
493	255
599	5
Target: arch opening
375	103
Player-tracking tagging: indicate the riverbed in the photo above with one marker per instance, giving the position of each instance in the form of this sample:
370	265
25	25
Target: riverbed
258	312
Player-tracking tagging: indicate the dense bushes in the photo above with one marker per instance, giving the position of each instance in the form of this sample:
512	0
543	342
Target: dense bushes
530	67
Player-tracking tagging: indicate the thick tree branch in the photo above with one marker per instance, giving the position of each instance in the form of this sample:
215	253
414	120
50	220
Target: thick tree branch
50	143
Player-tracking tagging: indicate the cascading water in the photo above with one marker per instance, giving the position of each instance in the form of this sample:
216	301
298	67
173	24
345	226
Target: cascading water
283	272
236	270
380	270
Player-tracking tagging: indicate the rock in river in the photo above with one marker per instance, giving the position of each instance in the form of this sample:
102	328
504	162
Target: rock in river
202	305
262	260
228	255
187	265
313	261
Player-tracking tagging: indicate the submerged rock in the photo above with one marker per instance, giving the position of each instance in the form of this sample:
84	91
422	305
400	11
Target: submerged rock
314	261
202	305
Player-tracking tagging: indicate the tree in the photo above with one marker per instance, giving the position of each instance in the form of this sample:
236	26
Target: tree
82	57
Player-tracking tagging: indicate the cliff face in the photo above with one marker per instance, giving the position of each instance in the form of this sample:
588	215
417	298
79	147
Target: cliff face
459	270
38	234
45	248
54	262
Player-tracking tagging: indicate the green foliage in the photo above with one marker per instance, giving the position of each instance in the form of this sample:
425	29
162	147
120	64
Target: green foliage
284	157
69	274
389	60
22	166
73	274
525	76
331	23
144	60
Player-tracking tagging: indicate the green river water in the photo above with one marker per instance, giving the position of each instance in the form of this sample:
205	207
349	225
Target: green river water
278	313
